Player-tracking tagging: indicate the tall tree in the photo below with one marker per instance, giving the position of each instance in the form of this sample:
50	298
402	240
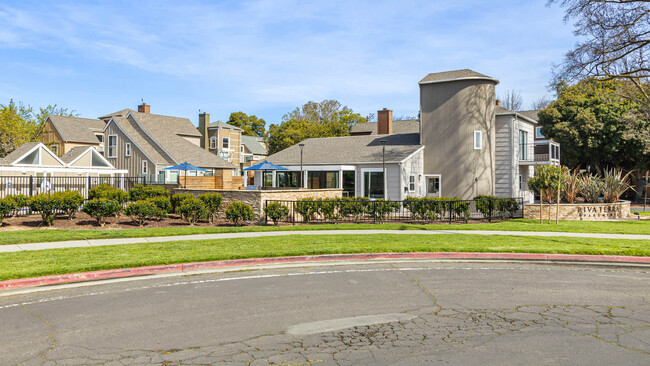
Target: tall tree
592	122
328	118
252	125
511	100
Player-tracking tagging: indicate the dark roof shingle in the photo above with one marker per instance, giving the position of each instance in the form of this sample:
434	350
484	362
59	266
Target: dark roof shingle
439	77
399	126
254	145
76	129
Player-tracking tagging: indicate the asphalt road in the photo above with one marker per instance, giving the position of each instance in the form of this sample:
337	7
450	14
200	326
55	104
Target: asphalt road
372	314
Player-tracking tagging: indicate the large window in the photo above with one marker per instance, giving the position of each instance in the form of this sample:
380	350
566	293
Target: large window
478	140
523	145
349	183
373	185
112	146
287	179
321	180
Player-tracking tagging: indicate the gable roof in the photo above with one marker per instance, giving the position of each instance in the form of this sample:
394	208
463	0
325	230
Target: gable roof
74	153
500	111
122	113
254	145
455	75
75	129
217	124
27	148
532	114
141	140
399	126
161	139
350	150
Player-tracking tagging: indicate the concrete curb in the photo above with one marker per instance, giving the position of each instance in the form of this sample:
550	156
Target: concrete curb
187	267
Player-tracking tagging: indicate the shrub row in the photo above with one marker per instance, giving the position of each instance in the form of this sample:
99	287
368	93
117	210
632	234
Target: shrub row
490	206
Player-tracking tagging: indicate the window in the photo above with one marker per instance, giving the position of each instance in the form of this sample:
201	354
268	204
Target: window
521	182
225	143
478	140
538	132
145	168
523	145
320	180
127	149
412	183
54	149
100	138
213	142
241	148
349	183
433	186
373	184
112	146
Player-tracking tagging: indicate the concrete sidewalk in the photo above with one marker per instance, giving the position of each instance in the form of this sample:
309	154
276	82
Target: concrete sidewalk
161	239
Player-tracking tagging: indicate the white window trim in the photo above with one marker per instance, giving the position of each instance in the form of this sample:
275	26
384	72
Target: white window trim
222	144
114	147
372	170
144	167
213	142
479	134
426	183
127	149
414	183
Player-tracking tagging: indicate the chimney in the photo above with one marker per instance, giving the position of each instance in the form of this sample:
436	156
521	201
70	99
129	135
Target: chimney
204	122
144	108
384	122
499	102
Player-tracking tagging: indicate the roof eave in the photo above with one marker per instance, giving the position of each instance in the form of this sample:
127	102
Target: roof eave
496	81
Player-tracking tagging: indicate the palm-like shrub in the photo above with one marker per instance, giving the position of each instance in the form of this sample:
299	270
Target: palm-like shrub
101	208
276	211
7	207
590	188
47	205
570	185
615	184
212	202
141	211
192	210
238	212
69	202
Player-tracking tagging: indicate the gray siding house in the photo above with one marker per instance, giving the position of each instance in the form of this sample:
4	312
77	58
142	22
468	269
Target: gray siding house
465	144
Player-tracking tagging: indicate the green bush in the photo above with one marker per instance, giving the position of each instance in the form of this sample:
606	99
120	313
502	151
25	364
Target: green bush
507	205
380	208
163	204
238	212
178	198
142	211
354	206
140	192
306	207
7	207
101	208
108	192
20	200
275	211
192	210
69	202
329	208
212	202
486	205
47	205
426	208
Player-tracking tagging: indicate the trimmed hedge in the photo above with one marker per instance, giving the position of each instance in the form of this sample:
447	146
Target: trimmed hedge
7	207
192	210
275	211
238	212
69	202
140	192
142	211
212	202
101	208
163	204
178	199
47	205
108	192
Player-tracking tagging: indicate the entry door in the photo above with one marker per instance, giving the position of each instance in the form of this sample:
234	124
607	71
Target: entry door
433	186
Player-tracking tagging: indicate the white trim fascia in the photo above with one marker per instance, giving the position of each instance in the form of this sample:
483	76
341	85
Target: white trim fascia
517	115
79	157
93	151
459	79
130	139
412	154
60	169
151	137
40	144
337	164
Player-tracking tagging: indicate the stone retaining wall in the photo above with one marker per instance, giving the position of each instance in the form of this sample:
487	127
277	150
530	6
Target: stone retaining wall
256	199
581	211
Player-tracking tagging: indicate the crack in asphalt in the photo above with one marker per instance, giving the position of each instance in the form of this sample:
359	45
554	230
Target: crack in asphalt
49	336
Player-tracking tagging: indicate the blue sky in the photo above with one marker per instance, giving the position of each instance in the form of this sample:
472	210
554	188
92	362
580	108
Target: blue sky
267	57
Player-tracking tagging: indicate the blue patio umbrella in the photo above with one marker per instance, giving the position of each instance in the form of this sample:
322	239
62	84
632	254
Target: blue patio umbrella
186	166
265	166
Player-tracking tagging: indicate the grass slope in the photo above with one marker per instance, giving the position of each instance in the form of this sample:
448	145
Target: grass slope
49	235
70	260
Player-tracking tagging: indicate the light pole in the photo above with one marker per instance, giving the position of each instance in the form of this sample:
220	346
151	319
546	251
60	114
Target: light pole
383	165
301	173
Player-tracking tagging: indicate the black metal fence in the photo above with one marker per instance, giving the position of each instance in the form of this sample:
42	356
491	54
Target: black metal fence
33	185
410	210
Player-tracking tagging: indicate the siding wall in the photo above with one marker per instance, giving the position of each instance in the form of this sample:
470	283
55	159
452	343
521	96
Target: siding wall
413	166
450	112
504	157
131	163
235	142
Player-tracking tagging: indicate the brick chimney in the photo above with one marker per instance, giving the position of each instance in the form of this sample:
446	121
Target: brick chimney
499	102
144	108
384	122
204	122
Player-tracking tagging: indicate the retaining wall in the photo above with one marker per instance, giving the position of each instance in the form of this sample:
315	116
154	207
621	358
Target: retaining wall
581	211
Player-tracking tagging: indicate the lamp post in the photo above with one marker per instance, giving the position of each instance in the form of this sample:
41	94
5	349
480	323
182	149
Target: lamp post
383	165
301	173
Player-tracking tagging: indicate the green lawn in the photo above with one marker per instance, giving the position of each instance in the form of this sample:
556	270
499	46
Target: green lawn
48	235
70	260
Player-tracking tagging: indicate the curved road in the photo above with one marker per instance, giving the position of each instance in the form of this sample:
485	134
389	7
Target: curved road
368	314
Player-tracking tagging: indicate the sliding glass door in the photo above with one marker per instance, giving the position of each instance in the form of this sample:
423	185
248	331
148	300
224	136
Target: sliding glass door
373	185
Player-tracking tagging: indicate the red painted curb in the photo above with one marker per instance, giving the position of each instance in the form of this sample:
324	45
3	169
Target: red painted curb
150	270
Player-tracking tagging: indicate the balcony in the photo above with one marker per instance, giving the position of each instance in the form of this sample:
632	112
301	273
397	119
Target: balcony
541	152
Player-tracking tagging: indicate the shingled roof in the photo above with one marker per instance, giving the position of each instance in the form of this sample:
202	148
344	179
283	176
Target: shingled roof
254	145
399	126
532	114
75	129
220	124
454	75
20	151
350	150
74	153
